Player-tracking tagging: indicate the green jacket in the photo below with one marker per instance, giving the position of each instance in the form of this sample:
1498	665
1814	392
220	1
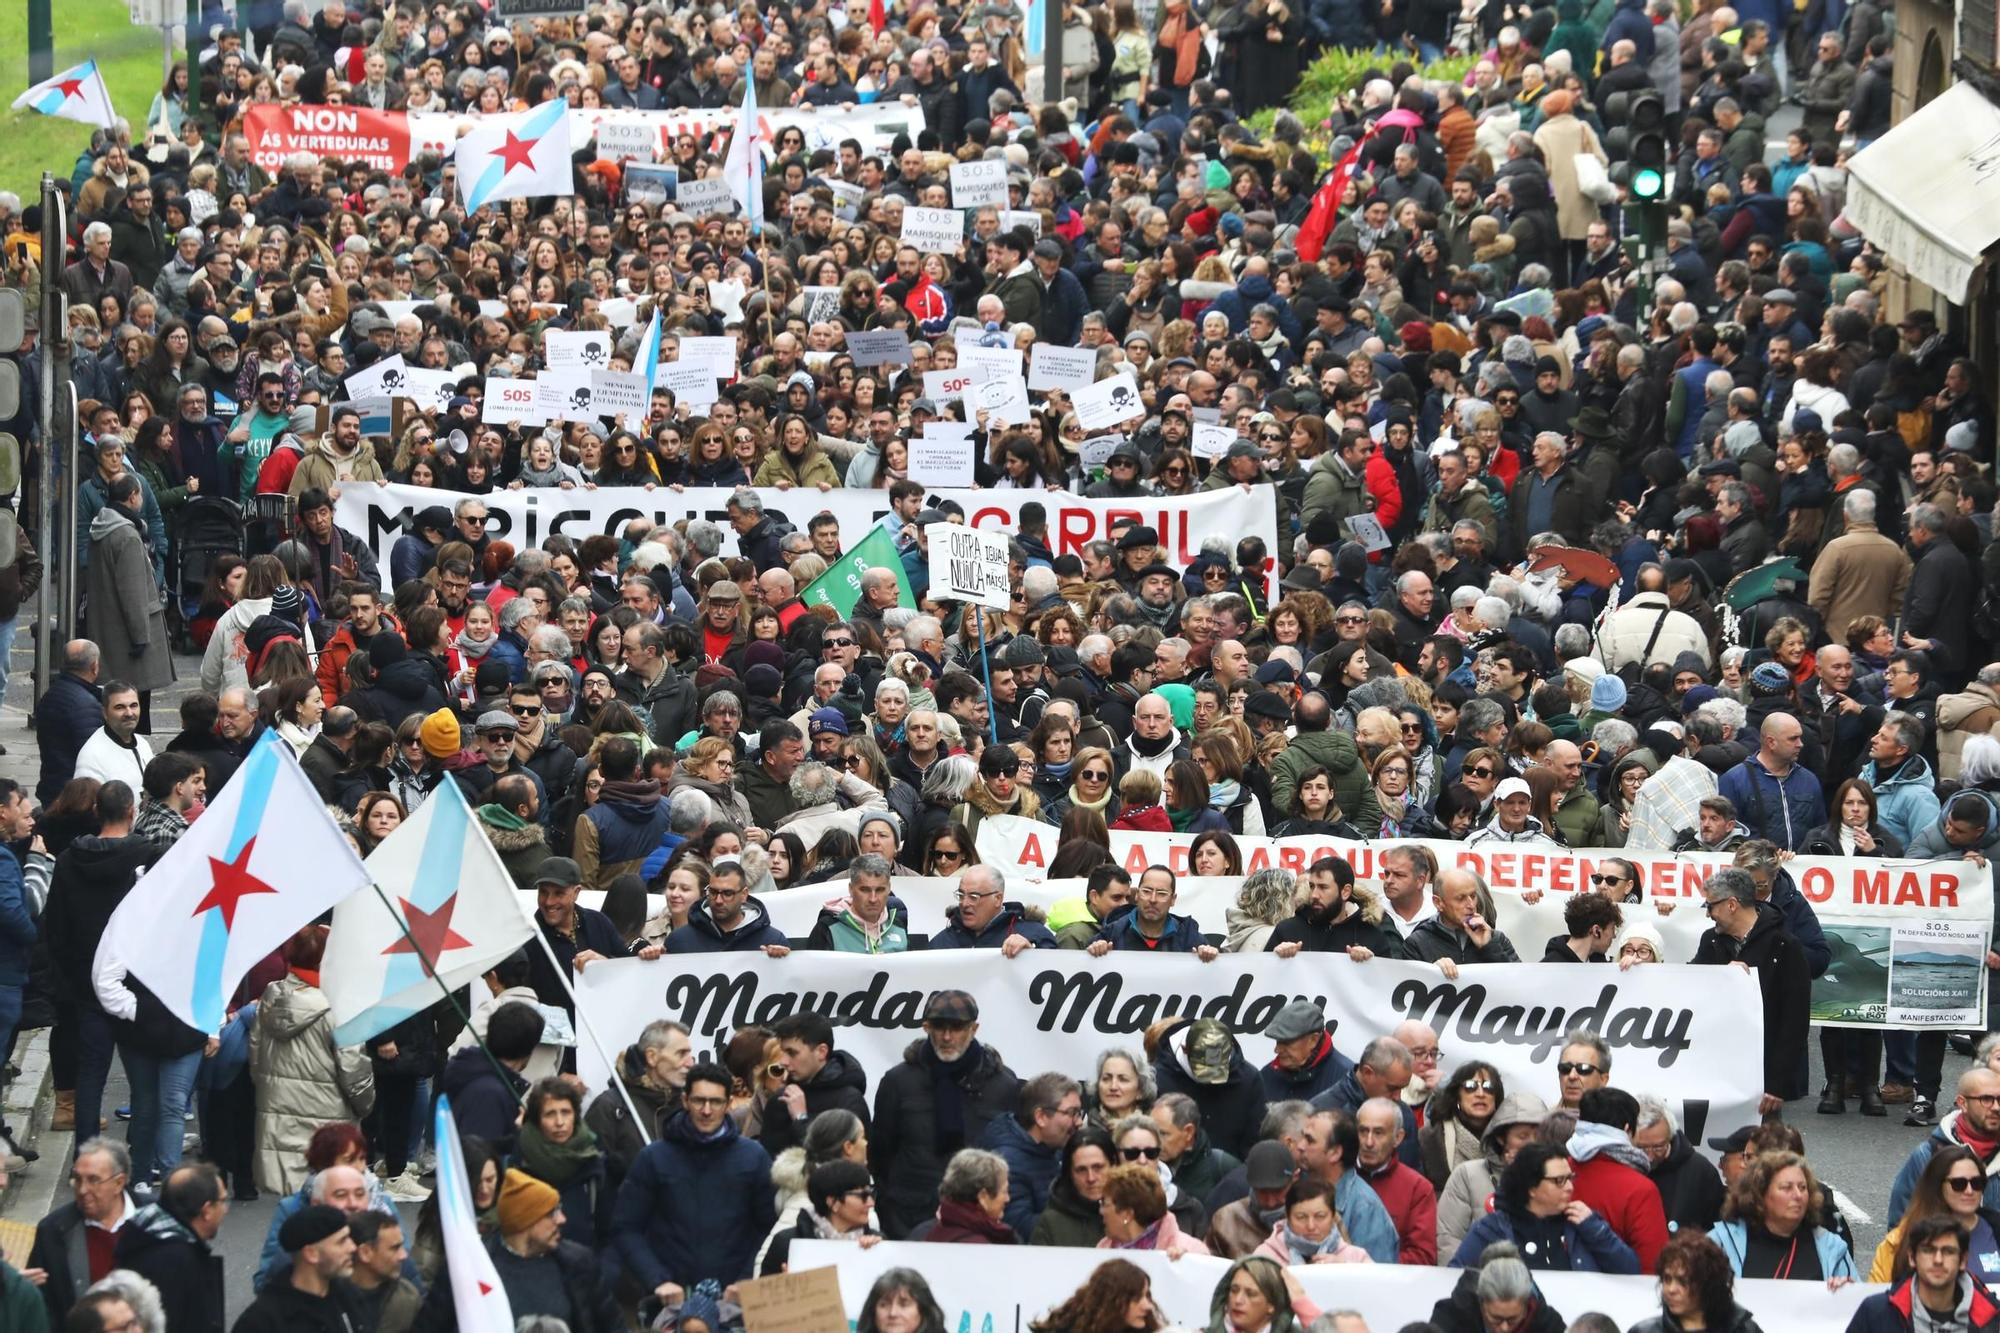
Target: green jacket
1334	491
1472	502
1337	753
21	1307
769	801
1576	817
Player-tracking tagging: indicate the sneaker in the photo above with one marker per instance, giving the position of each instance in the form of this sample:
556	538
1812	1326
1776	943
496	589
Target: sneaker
1923	1111
406	1188
123	1113
1898	1092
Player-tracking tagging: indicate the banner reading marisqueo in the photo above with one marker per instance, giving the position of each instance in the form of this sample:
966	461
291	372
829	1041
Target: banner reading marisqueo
528	517
979	1295
1058	1009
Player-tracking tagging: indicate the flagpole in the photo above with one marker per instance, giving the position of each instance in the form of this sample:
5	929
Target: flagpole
583	1023
450	996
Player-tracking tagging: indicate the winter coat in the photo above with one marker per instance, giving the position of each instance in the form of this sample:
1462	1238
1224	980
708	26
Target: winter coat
694	1208
522	850
1892	1311
1321	1074
1622	639
1907	801
123	614
1592	1246
1783	810
1068	1219
1785	978
1336	752
1471	1183
1930	842
1459	1312
401	690
1944	1135
1938	605
622	1138
1121	931
1233	1111
1032	1169
1691	1189
615	836
1611	1177
65	718
302	1079
1960	717
1859	573
162	1249
1012	920
485	1106
840	1084
1835	1259
593	1307
1562	139
908	1147
701	934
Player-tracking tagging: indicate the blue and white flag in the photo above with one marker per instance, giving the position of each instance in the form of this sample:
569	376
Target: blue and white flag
519	156
744	167
456	914
477	1297
75	94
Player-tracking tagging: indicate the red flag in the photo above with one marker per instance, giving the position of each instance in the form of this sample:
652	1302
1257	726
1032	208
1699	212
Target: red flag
1326	203
878	16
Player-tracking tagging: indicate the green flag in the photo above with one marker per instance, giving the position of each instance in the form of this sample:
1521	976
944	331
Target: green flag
840	586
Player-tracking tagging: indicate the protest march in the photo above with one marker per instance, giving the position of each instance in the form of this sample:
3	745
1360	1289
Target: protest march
1330	670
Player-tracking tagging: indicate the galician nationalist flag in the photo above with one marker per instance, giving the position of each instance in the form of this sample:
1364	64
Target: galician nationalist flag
77	93
263	861
519	156
840	586
459	906
744	167
476	1294
647	363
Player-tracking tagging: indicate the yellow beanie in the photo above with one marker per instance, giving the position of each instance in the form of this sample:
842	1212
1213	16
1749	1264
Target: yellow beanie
439	734
524	1201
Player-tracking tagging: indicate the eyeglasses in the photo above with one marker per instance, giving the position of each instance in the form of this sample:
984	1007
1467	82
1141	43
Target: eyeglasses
1962	1184
710	1103
964	897
1151	1154
1476	1085
1607	879
81	1181
1563	1179
1569	1067
865	1192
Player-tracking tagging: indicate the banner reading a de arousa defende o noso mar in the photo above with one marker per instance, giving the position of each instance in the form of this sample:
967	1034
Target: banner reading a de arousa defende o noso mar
1693	1037
527	517
1908	939
979	1295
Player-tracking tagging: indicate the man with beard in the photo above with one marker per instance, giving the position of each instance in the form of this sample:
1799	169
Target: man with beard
1331	920
1157	603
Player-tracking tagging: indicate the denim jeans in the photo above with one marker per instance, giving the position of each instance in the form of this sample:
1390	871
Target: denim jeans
10	1014
95	1044
7	628
161	1089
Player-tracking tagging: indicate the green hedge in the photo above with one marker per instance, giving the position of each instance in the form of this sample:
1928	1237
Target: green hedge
1339	71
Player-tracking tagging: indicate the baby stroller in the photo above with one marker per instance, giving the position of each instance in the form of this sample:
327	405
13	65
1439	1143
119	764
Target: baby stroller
206	527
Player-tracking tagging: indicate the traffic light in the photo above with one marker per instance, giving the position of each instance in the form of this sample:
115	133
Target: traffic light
1646	131
13	331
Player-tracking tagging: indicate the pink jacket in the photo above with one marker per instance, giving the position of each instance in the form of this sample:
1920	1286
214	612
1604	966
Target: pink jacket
1170	1236
1346	1252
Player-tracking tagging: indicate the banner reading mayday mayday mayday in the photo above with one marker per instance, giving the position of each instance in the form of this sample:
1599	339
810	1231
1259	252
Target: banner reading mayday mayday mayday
528	517
979	1295
1908	938
1060	1008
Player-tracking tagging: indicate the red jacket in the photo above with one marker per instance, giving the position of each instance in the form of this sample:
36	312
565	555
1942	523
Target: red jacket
1412	1206
1149	819
1628	1201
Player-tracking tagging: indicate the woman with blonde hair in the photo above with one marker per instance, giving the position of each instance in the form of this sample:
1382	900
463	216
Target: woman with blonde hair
1267	897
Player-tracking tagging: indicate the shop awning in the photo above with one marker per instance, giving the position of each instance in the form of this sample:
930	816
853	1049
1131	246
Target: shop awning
1928	191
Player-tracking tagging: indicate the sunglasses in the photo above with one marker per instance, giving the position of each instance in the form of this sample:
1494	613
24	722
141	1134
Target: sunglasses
946	854
519	711
1350	620
1269	438
1965	1184
1568	1067
1475	772
1607	879
1151	1154
837	643
1175	471
1476	1085
1094	775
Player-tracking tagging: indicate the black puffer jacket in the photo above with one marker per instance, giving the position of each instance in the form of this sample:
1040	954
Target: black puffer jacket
841	1082
1691	1189
400	690
160	1248
907	1146
1231	1112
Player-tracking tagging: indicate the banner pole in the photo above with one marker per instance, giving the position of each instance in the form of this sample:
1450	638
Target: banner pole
583	1024
450	996
986	669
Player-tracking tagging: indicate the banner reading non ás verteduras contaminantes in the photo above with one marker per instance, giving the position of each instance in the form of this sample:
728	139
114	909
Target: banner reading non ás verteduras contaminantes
1058	1009
980	1295
1907	939
526	517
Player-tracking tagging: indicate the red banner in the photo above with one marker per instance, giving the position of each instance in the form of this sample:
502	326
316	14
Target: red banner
349	133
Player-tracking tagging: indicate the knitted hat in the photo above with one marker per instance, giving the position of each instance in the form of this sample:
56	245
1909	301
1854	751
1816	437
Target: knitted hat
312	1224
439	734
1770	678
1607	694
524	1201
1583	668
763	681
386	649
764	653
289	603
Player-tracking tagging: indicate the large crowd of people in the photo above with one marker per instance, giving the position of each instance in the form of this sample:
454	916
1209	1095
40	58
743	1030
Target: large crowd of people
1569	555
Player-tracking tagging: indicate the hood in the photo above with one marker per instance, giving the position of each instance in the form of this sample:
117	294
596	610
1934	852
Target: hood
408	679
1913	773
1001	925
840	1071
1590	1140
1954	709
1333	749
464	1069
1516	1108
294	1007
1240	926
788	1172
109	519
106	861
159	1227
755	918
1992	838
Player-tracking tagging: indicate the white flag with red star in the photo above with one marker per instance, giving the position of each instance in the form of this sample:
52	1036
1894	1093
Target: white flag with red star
263	860
75	94
477	1298
455	915
519	156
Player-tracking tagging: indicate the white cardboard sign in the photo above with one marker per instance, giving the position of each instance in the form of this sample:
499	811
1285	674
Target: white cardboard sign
934	230
386	378
969	565
879	347
989	363
700	198
936	461
947	386
979	184
616	392
1065	368
619	139
589	349
1109	403
1005	401
510	402
565	395
1212	441
691	382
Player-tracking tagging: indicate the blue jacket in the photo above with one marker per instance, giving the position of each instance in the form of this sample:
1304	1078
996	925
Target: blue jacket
1890	1311
1063	309
1340	23
628	830
409	558
694	1208
1252	290
1013	920
1783	811
510	648
702	935
1801	922
1694	394
1121	931
1907	802
1629	22
17	923
1328	1068
1835	1259
484	1106
1368	1223
1930	842
1593	1246
68	715
1032	1168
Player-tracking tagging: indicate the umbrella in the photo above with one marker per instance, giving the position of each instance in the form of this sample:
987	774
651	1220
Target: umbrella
1754	585
1575	563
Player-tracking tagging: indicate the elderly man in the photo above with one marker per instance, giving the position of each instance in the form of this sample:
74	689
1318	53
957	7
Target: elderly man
1458	933
1752	935
984	919
74	1243
1154	743
342	1188
654	1071
1382	1125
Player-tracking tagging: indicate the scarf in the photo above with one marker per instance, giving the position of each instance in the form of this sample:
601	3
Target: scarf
1183	820
1460	1143
500	817
1984	1147
1222	793
471	649
1184	39
556	1164
642	792
1149	1239
1060	772
1077	802
1149	749
1393	808
1159	616
1304	1251
947	1100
